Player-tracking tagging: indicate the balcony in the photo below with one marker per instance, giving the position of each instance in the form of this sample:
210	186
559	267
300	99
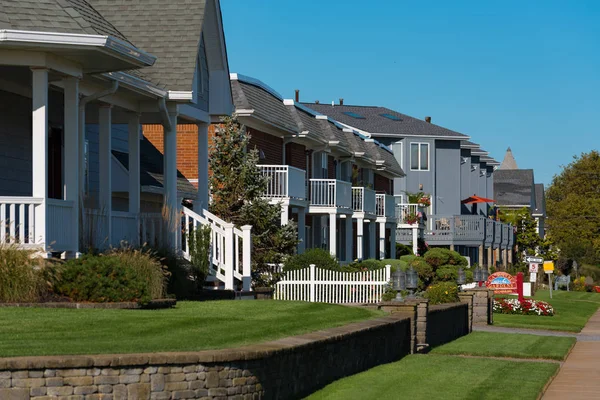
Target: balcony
465	229
330	193
385	206
363	200
406	214
284	182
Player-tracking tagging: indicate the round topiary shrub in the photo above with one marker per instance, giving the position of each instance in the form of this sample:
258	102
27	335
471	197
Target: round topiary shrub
437	257
321	258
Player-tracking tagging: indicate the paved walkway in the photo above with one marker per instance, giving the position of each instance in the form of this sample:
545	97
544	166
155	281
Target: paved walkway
579	377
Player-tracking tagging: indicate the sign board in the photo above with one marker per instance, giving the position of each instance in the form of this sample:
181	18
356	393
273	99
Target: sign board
531	259
549	267
533	277
533	267
527	289
502	283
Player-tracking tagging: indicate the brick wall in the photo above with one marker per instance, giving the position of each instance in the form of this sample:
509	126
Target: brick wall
271	146
295	155
331	167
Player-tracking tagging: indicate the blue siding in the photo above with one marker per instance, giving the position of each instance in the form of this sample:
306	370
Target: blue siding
447	177
465	179
416	178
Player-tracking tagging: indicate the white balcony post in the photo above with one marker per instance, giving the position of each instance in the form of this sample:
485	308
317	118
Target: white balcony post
333	234
360	227
173	235
134	163
285	214
372	239
105	161
246	258
229	254
301	229
415	239
39	153
393	241
71	155
381	240
202	198
349	242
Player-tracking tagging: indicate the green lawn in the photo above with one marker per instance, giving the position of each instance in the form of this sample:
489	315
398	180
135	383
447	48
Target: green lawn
492	344
444	377
572	310
190	326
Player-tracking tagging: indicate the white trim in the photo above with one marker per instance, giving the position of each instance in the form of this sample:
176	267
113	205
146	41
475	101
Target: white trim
419	144
288	102
244	112
180	95
255	82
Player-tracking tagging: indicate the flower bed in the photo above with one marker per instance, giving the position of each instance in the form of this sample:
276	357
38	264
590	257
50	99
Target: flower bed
524	307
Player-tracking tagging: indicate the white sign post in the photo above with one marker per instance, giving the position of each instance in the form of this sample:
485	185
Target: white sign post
533	277
533	267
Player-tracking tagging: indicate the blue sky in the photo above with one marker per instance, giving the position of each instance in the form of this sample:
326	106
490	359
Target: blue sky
524	74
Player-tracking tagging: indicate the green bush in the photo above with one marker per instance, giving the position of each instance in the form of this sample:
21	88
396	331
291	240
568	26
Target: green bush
199	247
23	278
449	273
443	292
368	265
403	250
424	270
438	256
321	258
395	264
123	275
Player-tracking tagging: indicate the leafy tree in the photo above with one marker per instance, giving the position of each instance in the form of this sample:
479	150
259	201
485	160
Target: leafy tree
527	239
573	207
237	185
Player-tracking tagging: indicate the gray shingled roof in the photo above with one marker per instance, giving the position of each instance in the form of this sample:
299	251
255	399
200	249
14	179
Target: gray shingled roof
169	30
374	123
151	168
509	161
513	187
65	16
540	199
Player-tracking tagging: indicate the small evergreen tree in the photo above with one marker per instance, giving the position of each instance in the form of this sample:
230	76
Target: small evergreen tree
527	239
237	186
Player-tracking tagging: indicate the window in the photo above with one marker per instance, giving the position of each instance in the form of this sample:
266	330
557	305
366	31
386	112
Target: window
390	116
353	115
419	156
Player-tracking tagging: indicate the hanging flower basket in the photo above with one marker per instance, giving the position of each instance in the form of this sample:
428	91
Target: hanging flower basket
424	201
411	218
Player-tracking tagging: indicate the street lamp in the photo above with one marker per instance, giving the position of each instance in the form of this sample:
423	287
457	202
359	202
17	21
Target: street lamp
477	275
399	283
485	274
461	277
411	281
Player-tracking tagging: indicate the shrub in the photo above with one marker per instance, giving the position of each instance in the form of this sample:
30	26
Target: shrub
443	292
449	273
424	270
395	264
23	277
437	257
122	275
403	250
321	258
368	265
389	294
199	247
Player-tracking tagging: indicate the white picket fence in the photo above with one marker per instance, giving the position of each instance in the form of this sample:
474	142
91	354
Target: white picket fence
318	285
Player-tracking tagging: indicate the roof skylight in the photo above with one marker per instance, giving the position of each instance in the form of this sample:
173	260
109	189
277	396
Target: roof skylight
353	115
391	116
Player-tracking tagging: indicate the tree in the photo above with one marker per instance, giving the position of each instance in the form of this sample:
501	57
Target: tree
237	186
573	207
527	238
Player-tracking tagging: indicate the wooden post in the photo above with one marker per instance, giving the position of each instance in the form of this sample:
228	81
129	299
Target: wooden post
349	241
381	240
360	246
393	241
332	234
312	283
229	256
173	234
301	229
71	158
246	257
203	197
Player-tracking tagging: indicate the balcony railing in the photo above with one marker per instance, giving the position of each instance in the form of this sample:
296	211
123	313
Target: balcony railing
405	213
457	228
363	200
284	181
330	193
385	205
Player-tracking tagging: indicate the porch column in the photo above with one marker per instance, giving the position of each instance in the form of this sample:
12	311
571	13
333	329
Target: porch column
393	241
481	250
510	255
504	258
381	240
170	205
489	256
372	240
105	163
203	197
496	256
415	239
301	229
360	228
333	234
285	214
71	157
349	242
39	153
134	163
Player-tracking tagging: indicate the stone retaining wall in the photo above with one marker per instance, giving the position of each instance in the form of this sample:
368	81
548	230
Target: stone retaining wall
284	369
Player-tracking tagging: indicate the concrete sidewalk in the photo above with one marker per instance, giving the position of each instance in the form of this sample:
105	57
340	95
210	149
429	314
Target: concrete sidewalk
579	377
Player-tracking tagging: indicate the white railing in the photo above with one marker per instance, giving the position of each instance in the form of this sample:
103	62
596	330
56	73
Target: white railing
230	247
385	205
325	286
151	230
125	229
330	193
284	181
61	225
406	212
363	200
17	220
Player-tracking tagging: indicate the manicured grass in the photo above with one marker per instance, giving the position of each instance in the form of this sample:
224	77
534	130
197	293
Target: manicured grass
572	310
190	326
492	344
444	377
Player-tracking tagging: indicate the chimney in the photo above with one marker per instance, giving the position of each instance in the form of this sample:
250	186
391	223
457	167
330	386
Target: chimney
428	119
297	96
341	101
316	101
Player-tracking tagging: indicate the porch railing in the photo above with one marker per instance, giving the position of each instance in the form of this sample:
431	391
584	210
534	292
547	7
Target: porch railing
385	205
406	212
489	231
363	200
284	181
330	193
61	225
457	228
497	233
17	220
125	229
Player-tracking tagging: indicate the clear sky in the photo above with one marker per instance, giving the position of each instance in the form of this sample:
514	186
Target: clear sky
524	74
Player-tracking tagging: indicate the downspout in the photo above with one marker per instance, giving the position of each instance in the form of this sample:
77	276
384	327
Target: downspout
162	107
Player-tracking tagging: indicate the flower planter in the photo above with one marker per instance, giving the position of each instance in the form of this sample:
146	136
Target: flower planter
263	293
